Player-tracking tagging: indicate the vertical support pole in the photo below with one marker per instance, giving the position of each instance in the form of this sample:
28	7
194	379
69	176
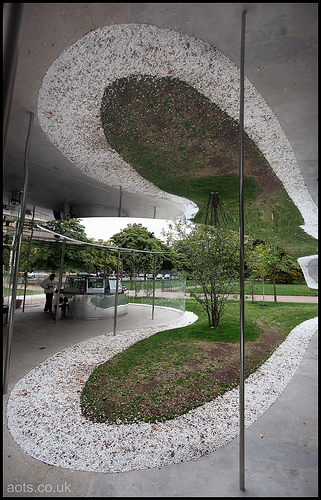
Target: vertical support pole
120	200
116	294
154	280
17	255
241	215
12	24
27	266
60	277
105	266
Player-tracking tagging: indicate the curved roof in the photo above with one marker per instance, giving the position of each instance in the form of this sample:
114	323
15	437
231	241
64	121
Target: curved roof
280	62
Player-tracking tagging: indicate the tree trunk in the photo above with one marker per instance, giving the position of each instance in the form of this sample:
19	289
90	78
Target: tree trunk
214	317
214	323
274	286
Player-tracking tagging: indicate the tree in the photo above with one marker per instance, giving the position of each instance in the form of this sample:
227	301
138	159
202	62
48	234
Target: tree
47	255
137	237
259	261
102	259
211	258
269	261
285	267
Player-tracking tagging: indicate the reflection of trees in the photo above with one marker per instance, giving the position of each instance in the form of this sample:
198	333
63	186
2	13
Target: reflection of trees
210	257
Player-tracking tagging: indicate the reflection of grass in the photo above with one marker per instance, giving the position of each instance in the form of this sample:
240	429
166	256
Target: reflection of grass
174	371
176	303
298	289
21	291
109	301
184	144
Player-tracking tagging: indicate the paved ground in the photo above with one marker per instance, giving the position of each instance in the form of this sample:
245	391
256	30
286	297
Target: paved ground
282	463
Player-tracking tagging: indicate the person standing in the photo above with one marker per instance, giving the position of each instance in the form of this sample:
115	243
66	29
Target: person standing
49	285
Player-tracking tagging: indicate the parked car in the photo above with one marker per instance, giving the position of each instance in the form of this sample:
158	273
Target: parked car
167	276
37	275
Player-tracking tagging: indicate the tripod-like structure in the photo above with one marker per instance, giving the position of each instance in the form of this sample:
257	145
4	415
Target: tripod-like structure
214	212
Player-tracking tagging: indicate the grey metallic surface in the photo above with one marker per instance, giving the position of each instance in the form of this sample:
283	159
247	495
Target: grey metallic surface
280	61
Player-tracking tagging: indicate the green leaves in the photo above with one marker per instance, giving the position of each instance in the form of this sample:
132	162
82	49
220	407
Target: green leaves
137	237
210	256
47	255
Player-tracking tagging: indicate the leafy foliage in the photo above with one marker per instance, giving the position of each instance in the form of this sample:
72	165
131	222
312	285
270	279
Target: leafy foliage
137	237
210	256
47	255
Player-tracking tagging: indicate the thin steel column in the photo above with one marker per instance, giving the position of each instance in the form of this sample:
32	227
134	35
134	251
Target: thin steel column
27	266
241	214
154	279
60	277
116	294
17	257
12	24
120	200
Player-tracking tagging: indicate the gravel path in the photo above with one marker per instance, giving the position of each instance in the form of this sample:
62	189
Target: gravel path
44	417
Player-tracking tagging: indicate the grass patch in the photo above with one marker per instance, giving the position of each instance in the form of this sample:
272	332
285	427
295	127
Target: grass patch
296	289
174	371
21	291
186	145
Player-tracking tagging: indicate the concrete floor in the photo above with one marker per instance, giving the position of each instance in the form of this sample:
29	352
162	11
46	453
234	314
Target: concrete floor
282	463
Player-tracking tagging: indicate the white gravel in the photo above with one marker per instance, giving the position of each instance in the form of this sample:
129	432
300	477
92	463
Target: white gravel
44	418
71	92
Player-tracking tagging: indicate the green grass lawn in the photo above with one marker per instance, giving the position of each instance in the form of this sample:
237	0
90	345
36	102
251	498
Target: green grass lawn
174	371
281	288
298	289
186	145
21	291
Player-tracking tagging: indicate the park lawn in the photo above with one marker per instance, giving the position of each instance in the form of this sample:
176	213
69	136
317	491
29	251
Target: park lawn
174	371
281	288
174	137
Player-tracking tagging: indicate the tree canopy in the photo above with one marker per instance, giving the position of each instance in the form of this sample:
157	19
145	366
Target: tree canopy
210	256
47	255
137	237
